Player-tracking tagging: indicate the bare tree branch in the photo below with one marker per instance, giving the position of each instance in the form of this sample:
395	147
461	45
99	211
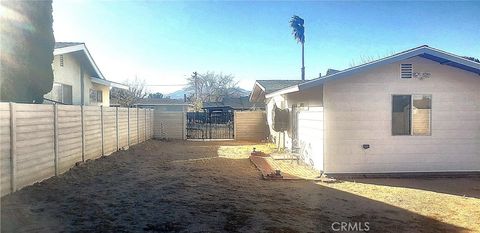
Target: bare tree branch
212	87
126	98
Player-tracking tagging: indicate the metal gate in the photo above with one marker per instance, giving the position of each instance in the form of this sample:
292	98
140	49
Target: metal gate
210	125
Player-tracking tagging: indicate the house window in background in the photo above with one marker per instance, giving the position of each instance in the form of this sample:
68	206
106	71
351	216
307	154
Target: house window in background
96	96
411	115
61	93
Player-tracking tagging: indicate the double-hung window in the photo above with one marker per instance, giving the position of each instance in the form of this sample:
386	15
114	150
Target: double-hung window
96	96
412	115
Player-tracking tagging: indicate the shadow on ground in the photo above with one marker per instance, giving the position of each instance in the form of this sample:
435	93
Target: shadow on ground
182	186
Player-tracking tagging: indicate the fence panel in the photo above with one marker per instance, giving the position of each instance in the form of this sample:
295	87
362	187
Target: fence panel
250	125
169	125
5	170
147	124
133	126
34	143
69	136
93	132
150	120
40	141
122	127
109	130
141	125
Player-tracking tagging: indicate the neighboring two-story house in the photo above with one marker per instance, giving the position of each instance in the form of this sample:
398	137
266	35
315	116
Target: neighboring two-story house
77	79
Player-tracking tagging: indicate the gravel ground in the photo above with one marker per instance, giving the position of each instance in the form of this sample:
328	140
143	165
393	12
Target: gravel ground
181	186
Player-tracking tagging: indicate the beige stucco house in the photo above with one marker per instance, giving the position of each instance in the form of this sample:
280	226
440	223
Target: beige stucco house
77	79
414	112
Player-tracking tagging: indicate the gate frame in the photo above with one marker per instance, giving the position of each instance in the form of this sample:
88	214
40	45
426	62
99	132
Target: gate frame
206	126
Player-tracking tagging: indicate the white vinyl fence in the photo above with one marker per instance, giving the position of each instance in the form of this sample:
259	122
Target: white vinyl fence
40	141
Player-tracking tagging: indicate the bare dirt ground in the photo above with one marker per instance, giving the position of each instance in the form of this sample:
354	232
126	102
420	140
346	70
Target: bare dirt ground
183	186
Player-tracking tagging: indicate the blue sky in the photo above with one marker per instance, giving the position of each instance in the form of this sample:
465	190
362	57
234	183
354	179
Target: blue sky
163	42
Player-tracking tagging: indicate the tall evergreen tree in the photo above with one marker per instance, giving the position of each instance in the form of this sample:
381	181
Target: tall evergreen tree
27	44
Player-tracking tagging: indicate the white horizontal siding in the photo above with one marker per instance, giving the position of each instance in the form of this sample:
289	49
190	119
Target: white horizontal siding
310	137
358	111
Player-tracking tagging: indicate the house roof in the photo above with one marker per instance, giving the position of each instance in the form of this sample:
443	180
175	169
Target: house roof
270	86
264	87
423	51
79	47
59	45
235	103
332	71
163	101
70	47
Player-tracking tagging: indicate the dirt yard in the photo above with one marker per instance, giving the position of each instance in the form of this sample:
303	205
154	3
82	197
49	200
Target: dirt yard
212	187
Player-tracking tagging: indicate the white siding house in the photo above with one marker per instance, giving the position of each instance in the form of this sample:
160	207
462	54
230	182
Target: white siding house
414	112
77	79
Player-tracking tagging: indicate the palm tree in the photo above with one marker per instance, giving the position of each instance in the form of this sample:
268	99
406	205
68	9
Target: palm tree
298	32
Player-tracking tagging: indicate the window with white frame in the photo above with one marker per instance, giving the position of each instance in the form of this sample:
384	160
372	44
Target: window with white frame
61	93
412	115
96	96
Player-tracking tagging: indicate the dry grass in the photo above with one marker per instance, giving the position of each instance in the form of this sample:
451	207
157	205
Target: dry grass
429	197
243	151
183	186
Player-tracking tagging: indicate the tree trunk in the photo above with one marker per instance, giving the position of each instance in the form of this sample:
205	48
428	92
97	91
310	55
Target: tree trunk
303	63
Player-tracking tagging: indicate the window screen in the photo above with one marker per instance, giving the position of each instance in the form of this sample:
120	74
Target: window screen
93	96
67	94
96	96
421	115
401	115
411	115
99	96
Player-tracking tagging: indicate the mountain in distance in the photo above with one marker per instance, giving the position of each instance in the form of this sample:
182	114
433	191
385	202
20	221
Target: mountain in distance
179	94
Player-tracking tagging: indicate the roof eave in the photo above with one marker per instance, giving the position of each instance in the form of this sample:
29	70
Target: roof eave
283	91
142	104
254	95
389	60
80	47
108	83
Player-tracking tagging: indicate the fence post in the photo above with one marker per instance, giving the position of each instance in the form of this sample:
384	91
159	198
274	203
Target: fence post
55	136
13	147
116	124
184	124
83	131
128	126
152	120
234	125
145	126
138	127
102	126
